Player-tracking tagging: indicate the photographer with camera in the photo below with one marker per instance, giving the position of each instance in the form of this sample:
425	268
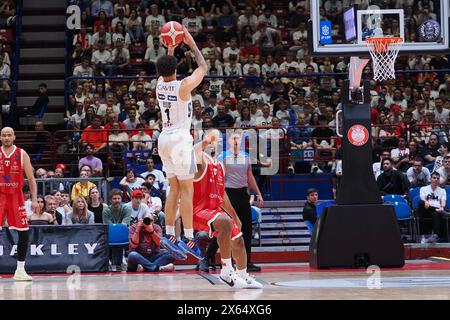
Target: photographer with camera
145	250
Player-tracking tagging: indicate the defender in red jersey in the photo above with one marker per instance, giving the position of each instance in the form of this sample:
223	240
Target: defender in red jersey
13	163
213	212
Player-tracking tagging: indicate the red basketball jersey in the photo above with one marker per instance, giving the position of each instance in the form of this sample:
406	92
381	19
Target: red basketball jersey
209	189
11	171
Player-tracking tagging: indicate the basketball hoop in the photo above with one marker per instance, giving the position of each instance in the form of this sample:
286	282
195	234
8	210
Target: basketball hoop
384	51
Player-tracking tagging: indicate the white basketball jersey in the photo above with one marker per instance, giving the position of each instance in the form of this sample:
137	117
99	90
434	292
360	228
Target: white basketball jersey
176	114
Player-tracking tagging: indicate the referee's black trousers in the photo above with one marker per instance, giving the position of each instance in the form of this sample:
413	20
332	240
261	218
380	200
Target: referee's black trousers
240	200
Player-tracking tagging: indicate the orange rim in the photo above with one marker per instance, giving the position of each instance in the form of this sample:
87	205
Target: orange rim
383	44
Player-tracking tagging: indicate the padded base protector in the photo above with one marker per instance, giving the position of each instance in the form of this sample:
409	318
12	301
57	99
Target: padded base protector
356	236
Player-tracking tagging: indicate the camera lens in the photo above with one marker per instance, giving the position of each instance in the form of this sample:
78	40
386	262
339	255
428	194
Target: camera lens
147	221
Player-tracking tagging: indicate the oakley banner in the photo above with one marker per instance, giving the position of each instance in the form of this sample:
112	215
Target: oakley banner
53	249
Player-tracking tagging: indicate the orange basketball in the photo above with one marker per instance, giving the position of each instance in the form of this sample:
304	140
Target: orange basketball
172	34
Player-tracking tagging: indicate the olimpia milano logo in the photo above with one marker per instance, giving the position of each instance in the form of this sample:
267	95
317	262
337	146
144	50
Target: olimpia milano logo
430	30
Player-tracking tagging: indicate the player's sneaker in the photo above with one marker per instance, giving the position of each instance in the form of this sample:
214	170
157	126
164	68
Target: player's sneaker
203	265
252	283
22	275
167	268
232	279
171	244
190	246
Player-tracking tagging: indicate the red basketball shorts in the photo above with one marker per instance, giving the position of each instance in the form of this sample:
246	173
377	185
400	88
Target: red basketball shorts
203	219
13	207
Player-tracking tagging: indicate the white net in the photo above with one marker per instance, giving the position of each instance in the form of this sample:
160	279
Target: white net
384	51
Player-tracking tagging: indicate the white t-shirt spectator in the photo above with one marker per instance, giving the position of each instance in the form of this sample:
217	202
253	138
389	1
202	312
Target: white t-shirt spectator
271	21
441	116
124	52
284	117
215	85
159	176
103	57
251	65
153	202
79	71
434	197
274	133
135	185
138	213
239	123
397	153
77	118
120	137
444	175
158	20
302	66
116	37
272	68
102	109
262	121
130	125
146	139
286	65
194	25
298	35
261	97
233	70
243	20
5	71
116	20
107	37
152	55
228	50
424	175
269	33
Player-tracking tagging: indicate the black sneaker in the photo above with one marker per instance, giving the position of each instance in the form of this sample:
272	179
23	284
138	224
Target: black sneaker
253	268
203	265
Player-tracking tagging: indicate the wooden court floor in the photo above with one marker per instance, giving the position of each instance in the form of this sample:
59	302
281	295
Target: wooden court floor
419	280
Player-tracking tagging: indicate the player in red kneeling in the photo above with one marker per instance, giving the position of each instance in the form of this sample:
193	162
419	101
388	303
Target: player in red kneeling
213	212
13	162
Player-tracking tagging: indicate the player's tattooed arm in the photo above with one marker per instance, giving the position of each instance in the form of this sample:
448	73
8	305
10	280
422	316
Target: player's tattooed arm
189	41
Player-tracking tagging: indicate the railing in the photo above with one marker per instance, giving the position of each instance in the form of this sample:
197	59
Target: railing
52	184
12	102
16	60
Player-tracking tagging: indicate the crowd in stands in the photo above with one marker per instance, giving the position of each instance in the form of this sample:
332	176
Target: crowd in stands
7	31
263	49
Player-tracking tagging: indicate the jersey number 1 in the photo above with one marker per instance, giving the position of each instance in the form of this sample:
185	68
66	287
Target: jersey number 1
167	111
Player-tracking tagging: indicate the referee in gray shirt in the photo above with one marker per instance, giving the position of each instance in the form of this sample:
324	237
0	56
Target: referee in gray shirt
238	178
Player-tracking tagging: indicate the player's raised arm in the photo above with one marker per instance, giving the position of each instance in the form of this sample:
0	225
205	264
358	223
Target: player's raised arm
191	82
28	169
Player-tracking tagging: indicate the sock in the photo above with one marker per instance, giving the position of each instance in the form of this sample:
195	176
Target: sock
227	264
242	273
21	265
189	233
170	230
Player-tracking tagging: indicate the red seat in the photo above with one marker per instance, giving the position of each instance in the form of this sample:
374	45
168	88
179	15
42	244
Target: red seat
7	34
209	29
136	62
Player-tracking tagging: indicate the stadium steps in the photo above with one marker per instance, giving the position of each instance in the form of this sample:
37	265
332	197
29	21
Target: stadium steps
42	57
282	225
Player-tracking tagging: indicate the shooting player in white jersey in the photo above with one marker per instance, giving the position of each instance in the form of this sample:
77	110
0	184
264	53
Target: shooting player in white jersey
175	146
